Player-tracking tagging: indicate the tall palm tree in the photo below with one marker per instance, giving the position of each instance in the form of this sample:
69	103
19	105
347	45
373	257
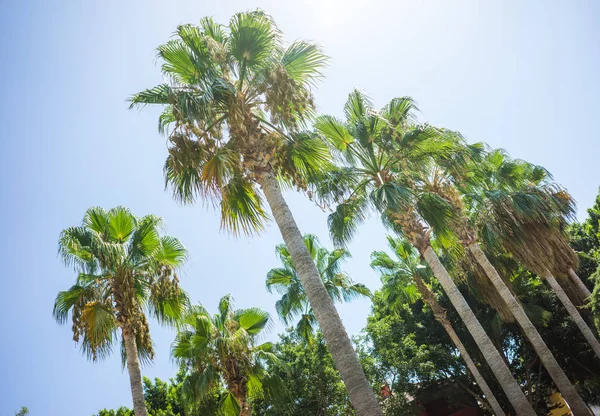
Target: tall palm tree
221	351
518	209
125	268
407	273
236	101
294	303
386	159
444	188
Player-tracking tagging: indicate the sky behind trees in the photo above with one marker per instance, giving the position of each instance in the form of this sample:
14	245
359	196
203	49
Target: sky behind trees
518	76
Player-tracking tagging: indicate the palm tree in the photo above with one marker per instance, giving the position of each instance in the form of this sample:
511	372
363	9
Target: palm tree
222	351
24	411
236	101
293	302
518	209
401	278
504	213
125	268
387	161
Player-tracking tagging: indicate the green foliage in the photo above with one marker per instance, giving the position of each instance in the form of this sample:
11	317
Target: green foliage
125	270
314	385
225	367
24	411
389	163
121	411
420	361
236	100
294	304
585	240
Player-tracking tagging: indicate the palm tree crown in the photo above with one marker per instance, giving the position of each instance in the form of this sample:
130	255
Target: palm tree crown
294	302
125	268
221	351
236	100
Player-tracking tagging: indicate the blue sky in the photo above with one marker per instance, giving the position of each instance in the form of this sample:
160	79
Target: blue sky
518	75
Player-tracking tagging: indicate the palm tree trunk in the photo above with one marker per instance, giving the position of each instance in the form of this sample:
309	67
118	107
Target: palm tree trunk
135	374
440	315
574	313
566	388
245	406
489	351
585	292
345	358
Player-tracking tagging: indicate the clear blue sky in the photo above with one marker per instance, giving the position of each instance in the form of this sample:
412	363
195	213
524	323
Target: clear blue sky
518	75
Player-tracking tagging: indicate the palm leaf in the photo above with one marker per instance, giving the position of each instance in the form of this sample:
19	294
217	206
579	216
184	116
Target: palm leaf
304	61
253	320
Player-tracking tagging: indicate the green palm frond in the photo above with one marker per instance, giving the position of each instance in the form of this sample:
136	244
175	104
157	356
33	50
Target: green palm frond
66	300
334	131
181	62
253	320
168	303
242	208
357	106
121	224
229	406
306	326
145	238
304	61
253	37
308	154
344	221
75	248
166	119
213	30
157	95
279	279
400	111
170	252
100	328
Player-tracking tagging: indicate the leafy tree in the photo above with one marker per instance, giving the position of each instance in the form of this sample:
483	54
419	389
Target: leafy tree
294	302
125	267
222	358
585	240
121	411
165	398
236	101
314	384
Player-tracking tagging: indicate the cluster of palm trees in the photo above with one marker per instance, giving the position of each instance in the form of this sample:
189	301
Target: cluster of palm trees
241	124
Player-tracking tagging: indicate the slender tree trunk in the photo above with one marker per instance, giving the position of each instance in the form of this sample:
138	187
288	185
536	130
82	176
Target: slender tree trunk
245	406
135	374
585	292
345	358
440	315
574	313
489	351
566	388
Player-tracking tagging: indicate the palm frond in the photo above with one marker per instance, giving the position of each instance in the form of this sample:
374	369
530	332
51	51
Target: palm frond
156	95
304	61
253	320
242	208
253	36
344	221
121	223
